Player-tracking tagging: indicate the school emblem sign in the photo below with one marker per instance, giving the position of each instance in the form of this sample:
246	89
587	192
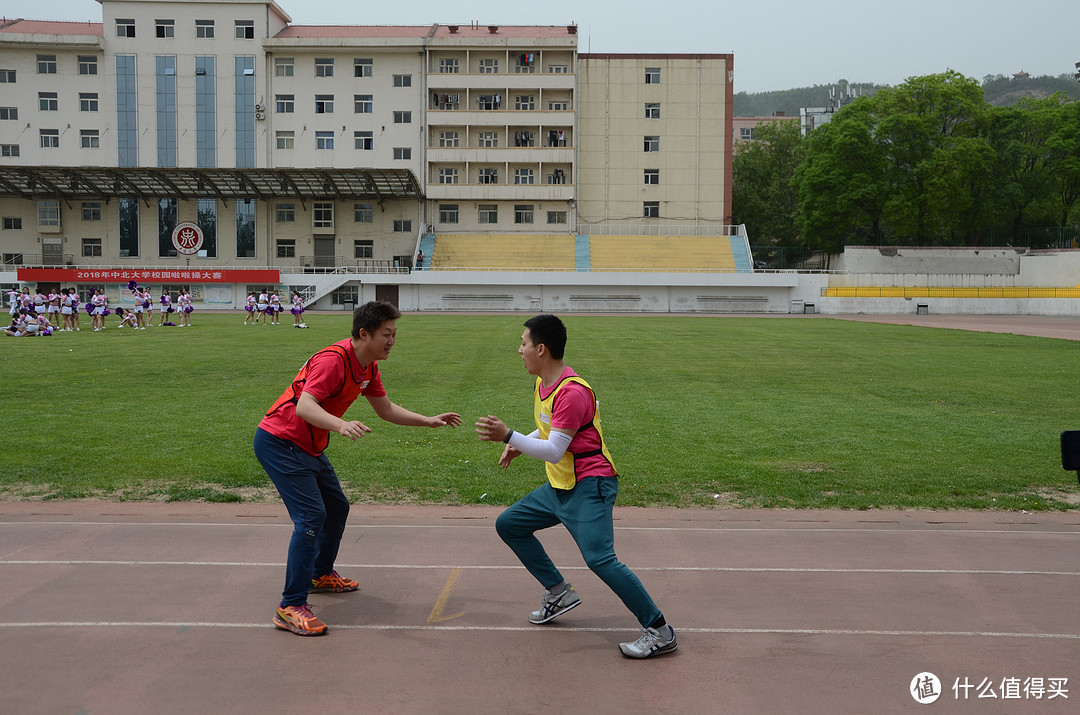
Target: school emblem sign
187	238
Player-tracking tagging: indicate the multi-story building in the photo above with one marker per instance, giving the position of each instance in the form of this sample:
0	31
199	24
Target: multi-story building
301	148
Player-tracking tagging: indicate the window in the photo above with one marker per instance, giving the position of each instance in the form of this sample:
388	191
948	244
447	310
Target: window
12	223
525	102
284	66
286	248
50	138
487	139
402	153
652	143
48	213
127	226
365	141
448	213
363	103
448	66
403	80
402	226
487	213
9	149
322	215
286	213
88	101
9	112
362	66
488	176
346	294
652	176
402	117
47	101
364	213
523	176
556	217
245	30
324	140
285	140
652	75
324	104
165	28
363	248
245	228
746	133
91	247
651	209
449	139
7	76
448	176
490	66
91	211
89	139
324	66
284	103
559	69
204	29
652	111
87	64
46	64
523	213
125	27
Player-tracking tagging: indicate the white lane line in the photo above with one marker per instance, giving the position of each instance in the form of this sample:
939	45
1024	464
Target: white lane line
809	529
534	629
511	567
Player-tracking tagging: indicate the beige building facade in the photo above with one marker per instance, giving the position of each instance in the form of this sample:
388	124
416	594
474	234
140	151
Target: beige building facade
474	128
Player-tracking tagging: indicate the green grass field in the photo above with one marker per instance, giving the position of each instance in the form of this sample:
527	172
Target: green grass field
697	411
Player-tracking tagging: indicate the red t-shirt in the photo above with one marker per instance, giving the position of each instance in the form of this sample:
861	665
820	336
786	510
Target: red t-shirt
335	378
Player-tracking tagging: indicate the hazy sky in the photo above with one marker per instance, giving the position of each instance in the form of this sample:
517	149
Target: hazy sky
778	44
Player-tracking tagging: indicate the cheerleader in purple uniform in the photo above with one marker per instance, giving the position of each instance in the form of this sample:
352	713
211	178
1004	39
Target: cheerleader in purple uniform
297	310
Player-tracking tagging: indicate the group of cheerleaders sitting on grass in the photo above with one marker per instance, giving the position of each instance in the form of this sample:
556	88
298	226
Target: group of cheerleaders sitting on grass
268	305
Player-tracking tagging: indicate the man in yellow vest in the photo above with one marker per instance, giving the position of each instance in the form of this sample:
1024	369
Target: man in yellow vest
289	444
580	491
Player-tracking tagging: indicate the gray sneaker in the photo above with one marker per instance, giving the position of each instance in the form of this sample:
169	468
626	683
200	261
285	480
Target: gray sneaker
652	642
553	605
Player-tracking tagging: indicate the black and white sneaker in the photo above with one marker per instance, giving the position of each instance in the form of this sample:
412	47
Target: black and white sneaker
553	605
652	642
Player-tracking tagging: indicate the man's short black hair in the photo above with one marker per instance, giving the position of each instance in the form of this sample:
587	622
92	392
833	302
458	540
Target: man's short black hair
370	316
550	331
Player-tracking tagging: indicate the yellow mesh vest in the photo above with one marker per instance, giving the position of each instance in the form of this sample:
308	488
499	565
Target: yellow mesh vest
563	475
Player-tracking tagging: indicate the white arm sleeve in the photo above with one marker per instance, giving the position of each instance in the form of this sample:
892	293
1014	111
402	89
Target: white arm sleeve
550	450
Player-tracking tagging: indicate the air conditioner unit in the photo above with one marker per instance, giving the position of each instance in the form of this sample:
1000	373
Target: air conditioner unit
258	107
260	115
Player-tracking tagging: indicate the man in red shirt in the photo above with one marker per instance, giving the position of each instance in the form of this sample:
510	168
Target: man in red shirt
289	444
580	491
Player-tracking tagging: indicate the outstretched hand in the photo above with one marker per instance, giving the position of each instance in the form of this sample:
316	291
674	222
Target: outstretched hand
353	430
491	429
451	419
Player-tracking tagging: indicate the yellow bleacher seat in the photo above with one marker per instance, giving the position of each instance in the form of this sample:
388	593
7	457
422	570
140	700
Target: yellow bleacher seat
661	253
510	251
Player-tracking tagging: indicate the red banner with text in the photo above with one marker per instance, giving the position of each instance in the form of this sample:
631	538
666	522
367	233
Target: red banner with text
120	275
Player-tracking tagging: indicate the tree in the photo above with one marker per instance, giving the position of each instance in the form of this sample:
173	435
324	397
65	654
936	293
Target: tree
927	124
1063	156
843	181
763	190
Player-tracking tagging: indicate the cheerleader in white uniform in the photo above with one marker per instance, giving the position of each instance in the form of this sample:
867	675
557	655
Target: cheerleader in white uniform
166	308
250	309
263	305
98	308
275	308
297	310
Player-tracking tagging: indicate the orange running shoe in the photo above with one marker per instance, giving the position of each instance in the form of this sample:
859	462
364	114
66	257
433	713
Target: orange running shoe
300	620
333	582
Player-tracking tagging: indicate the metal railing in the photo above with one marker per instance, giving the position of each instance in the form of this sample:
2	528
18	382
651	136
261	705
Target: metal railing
627	229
